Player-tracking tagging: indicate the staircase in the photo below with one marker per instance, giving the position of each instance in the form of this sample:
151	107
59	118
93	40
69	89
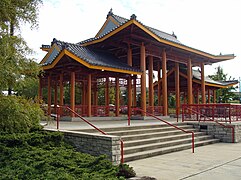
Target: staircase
151	140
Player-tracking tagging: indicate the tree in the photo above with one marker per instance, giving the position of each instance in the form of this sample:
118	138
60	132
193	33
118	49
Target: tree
14	64
224	94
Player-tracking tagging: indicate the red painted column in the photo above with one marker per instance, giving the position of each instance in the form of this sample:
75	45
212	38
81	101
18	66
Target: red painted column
55	97
117	96
134	92
203	84
49	95
72	92
107	99
159	84
129	84
177	88
151	88
143	79
189	81
89	96
164	83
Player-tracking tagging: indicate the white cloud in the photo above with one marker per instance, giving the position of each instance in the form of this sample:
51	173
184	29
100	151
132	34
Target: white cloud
211	26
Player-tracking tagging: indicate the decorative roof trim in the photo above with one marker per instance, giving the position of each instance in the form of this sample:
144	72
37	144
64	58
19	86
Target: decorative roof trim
159	39
49	53
110	18
81	61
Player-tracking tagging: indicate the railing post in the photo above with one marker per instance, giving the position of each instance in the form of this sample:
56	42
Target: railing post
192	142
183	113
122	152
58	117
230	113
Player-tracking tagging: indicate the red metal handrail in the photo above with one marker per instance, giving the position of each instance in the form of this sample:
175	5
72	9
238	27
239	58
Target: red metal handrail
226	126
167	124
92	125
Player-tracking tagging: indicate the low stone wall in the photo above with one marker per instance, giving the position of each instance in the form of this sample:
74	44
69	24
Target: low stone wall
95	144
220	132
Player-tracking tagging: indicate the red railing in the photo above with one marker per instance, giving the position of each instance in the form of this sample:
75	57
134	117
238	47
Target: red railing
190	111
205	112
149	114
92	125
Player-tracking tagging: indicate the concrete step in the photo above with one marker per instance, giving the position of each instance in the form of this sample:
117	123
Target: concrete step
125	132
160	139
156	134
123	128
171	143
165	150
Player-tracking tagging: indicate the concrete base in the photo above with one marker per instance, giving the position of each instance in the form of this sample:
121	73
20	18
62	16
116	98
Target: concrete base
112	118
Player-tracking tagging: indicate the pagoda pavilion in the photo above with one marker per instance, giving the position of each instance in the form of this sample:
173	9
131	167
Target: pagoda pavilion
127	53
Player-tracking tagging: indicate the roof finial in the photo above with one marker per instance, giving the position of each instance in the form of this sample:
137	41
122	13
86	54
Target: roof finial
174	35
133	16
110	13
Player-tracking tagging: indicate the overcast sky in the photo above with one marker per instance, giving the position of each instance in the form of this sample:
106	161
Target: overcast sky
212	26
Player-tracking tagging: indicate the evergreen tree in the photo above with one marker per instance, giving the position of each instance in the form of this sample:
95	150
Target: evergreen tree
225	94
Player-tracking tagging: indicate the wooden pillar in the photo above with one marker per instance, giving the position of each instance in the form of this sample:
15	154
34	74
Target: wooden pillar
61	90
143	79
107	99
95	100
40	91
159	84
117	96
203	84
55	97
189	81
164	83
89	96
129	88
214	96
134	92
177	88
49	95
72	92
197	95
209	96
83	93
151	89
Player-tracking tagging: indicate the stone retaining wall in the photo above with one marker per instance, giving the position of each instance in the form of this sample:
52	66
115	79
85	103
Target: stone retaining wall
220	132
95	144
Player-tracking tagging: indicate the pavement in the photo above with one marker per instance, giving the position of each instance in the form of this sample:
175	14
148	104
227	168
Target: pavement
217	161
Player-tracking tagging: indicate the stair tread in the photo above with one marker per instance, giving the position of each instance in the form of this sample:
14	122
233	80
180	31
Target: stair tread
166	142
165	132
165	137
167	148
156	128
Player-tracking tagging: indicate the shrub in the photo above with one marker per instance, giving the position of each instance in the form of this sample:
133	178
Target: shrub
126	171
18	114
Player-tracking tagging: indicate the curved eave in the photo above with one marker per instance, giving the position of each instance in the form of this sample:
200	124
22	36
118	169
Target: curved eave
215	85
90	66
49	53
161	40
45	49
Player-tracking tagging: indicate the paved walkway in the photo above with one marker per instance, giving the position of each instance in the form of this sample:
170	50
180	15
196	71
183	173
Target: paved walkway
217	161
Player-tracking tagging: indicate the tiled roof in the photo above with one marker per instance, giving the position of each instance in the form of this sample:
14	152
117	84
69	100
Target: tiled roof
121	21
91	56
197	75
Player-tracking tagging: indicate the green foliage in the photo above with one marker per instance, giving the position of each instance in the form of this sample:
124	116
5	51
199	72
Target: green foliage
18	114
44	155
126	171
14	65
225	94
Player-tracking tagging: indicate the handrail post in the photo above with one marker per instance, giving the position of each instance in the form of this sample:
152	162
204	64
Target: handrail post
58	117
122	151
192	142
183	113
